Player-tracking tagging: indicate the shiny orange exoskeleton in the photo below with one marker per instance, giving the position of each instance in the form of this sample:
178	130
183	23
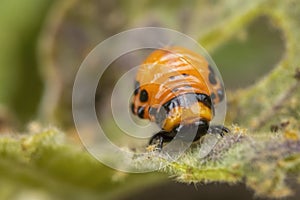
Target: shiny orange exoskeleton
177	88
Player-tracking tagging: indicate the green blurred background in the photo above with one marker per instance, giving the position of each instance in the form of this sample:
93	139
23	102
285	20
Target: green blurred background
21	84
43	42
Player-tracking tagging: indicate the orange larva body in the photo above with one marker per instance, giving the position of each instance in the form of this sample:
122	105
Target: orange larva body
176	86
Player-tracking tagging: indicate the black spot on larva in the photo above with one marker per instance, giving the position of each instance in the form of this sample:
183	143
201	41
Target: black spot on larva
141	111
144	96
136	87
185	74
172	77
220	94
212	78
206	100
171	104
211	69
152	111
136	84
186	100
132	108
213	96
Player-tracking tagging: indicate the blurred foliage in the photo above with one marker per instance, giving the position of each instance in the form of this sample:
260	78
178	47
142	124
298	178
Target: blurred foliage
44	165
246	38
21	86
252	53
263	161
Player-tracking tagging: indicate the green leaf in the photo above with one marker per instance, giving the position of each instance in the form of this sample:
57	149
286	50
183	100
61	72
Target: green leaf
45	163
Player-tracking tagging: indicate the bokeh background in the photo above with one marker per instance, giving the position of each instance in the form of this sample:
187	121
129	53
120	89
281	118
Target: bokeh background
43	42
